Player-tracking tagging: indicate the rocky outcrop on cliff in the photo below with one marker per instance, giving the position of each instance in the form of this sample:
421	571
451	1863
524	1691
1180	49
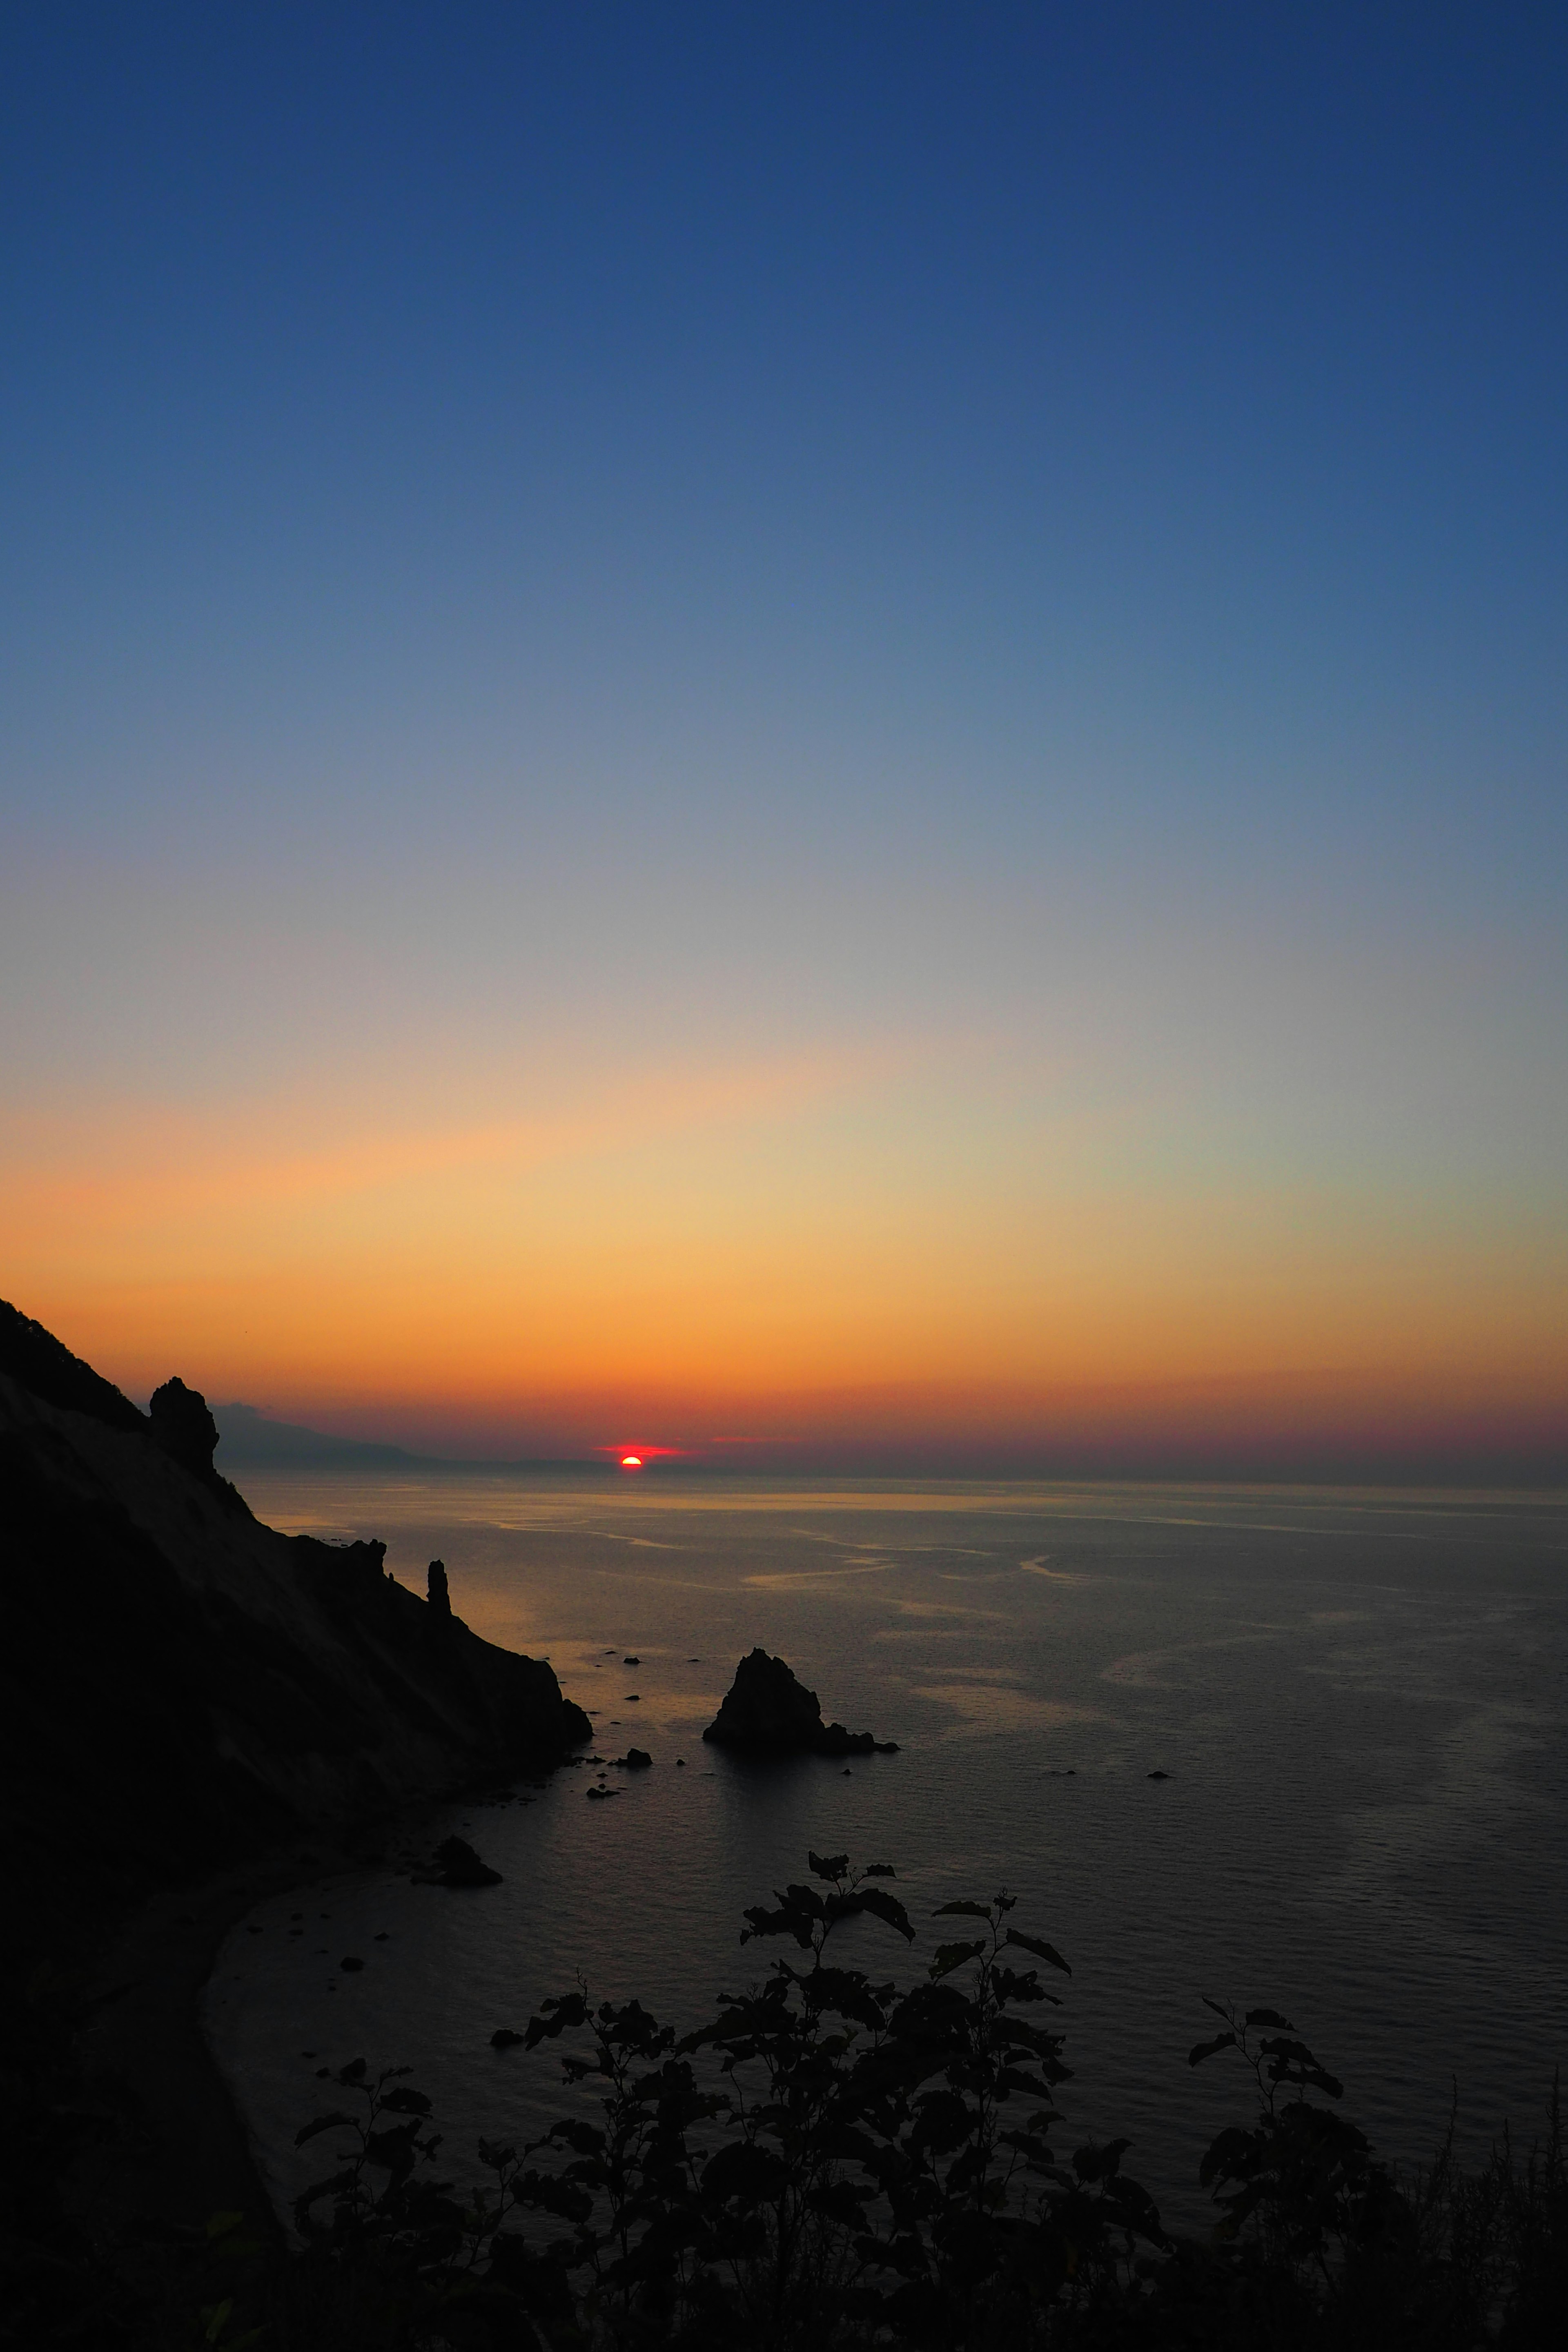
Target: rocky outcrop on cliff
766	1712
180	1684
184	1429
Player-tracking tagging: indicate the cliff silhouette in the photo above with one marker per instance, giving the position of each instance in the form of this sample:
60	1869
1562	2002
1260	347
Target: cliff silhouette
180	1685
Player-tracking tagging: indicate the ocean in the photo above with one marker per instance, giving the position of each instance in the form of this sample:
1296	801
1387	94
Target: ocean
1360	1699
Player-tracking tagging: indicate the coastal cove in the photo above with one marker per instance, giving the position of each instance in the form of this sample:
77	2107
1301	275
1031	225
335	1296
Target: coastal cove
1360	1700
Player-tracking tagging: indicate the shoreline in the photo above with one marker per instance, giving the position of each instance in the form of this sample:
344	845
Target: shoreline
187	2153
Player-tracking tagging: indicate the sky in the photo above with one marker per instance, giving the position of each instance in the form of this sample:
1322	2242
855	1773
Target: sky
827	735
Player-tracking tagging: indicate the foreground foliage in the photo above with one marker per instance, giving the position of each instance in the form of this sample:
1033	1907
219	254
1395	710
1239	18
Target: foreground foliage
834	2161
838	2162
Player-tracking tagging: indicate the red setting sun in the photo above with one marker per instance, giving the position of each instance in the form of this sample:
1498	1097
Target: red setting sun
631	1462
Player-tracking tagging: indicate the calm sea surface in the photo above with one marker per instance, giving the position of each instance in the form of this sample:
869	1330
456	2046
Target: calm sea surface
1361	1698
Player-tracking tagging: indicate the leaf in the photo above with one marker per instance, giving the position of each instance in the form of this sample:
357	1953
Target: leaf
568	2012
743	2169
943	2122
333	2186
881	1870
846	1992
1230	2157
1202	2050
406	2103
838	2201
352	2072
1135	2209
320	2123
962	1910
1095	2163
833	1867
581	2137
1023	2034
884	1906
953	1956
800	1909
1015	2078
561	2198
1268	2017
1041	1951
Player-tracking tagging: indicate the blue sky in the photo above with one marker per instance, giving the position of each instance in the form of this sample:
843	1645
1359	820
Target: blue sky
541	538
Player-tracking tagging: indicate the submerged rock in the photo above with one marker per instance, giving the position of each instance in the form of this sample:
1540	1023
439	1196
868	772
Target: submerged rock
767	1711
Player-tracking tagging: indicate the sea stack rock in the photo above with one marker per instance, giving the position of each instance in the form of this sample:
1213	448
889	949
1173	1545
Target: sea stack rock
438	1588
766	1712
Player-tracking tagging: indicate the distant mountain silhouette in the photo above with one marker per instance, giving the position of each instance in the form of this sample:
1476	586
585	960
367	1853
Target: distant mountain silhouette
250	1438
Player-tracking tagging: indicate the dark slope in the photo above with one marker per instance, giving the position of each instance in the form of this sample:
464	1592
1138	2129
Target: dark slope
180	1685
40	1363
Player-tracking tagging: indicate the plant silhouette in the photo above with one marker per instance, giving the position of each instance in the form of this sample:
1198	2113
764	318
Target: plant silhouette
836	2160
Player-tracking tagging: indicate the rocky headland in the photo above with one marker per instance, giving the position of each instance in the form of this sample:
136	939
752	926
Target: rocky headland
193	1705
180	1685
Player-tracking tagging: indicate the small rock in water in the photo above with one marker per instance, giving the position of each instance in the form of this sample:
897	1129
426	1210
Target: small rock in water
505	2039
461	1867
350	1964
680	1763
602	1792
1157	1776
633	1698
631	1662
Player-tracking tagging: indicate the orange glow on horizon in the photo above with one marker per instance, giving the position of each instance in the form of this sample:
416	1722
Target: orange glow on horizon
783	1249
